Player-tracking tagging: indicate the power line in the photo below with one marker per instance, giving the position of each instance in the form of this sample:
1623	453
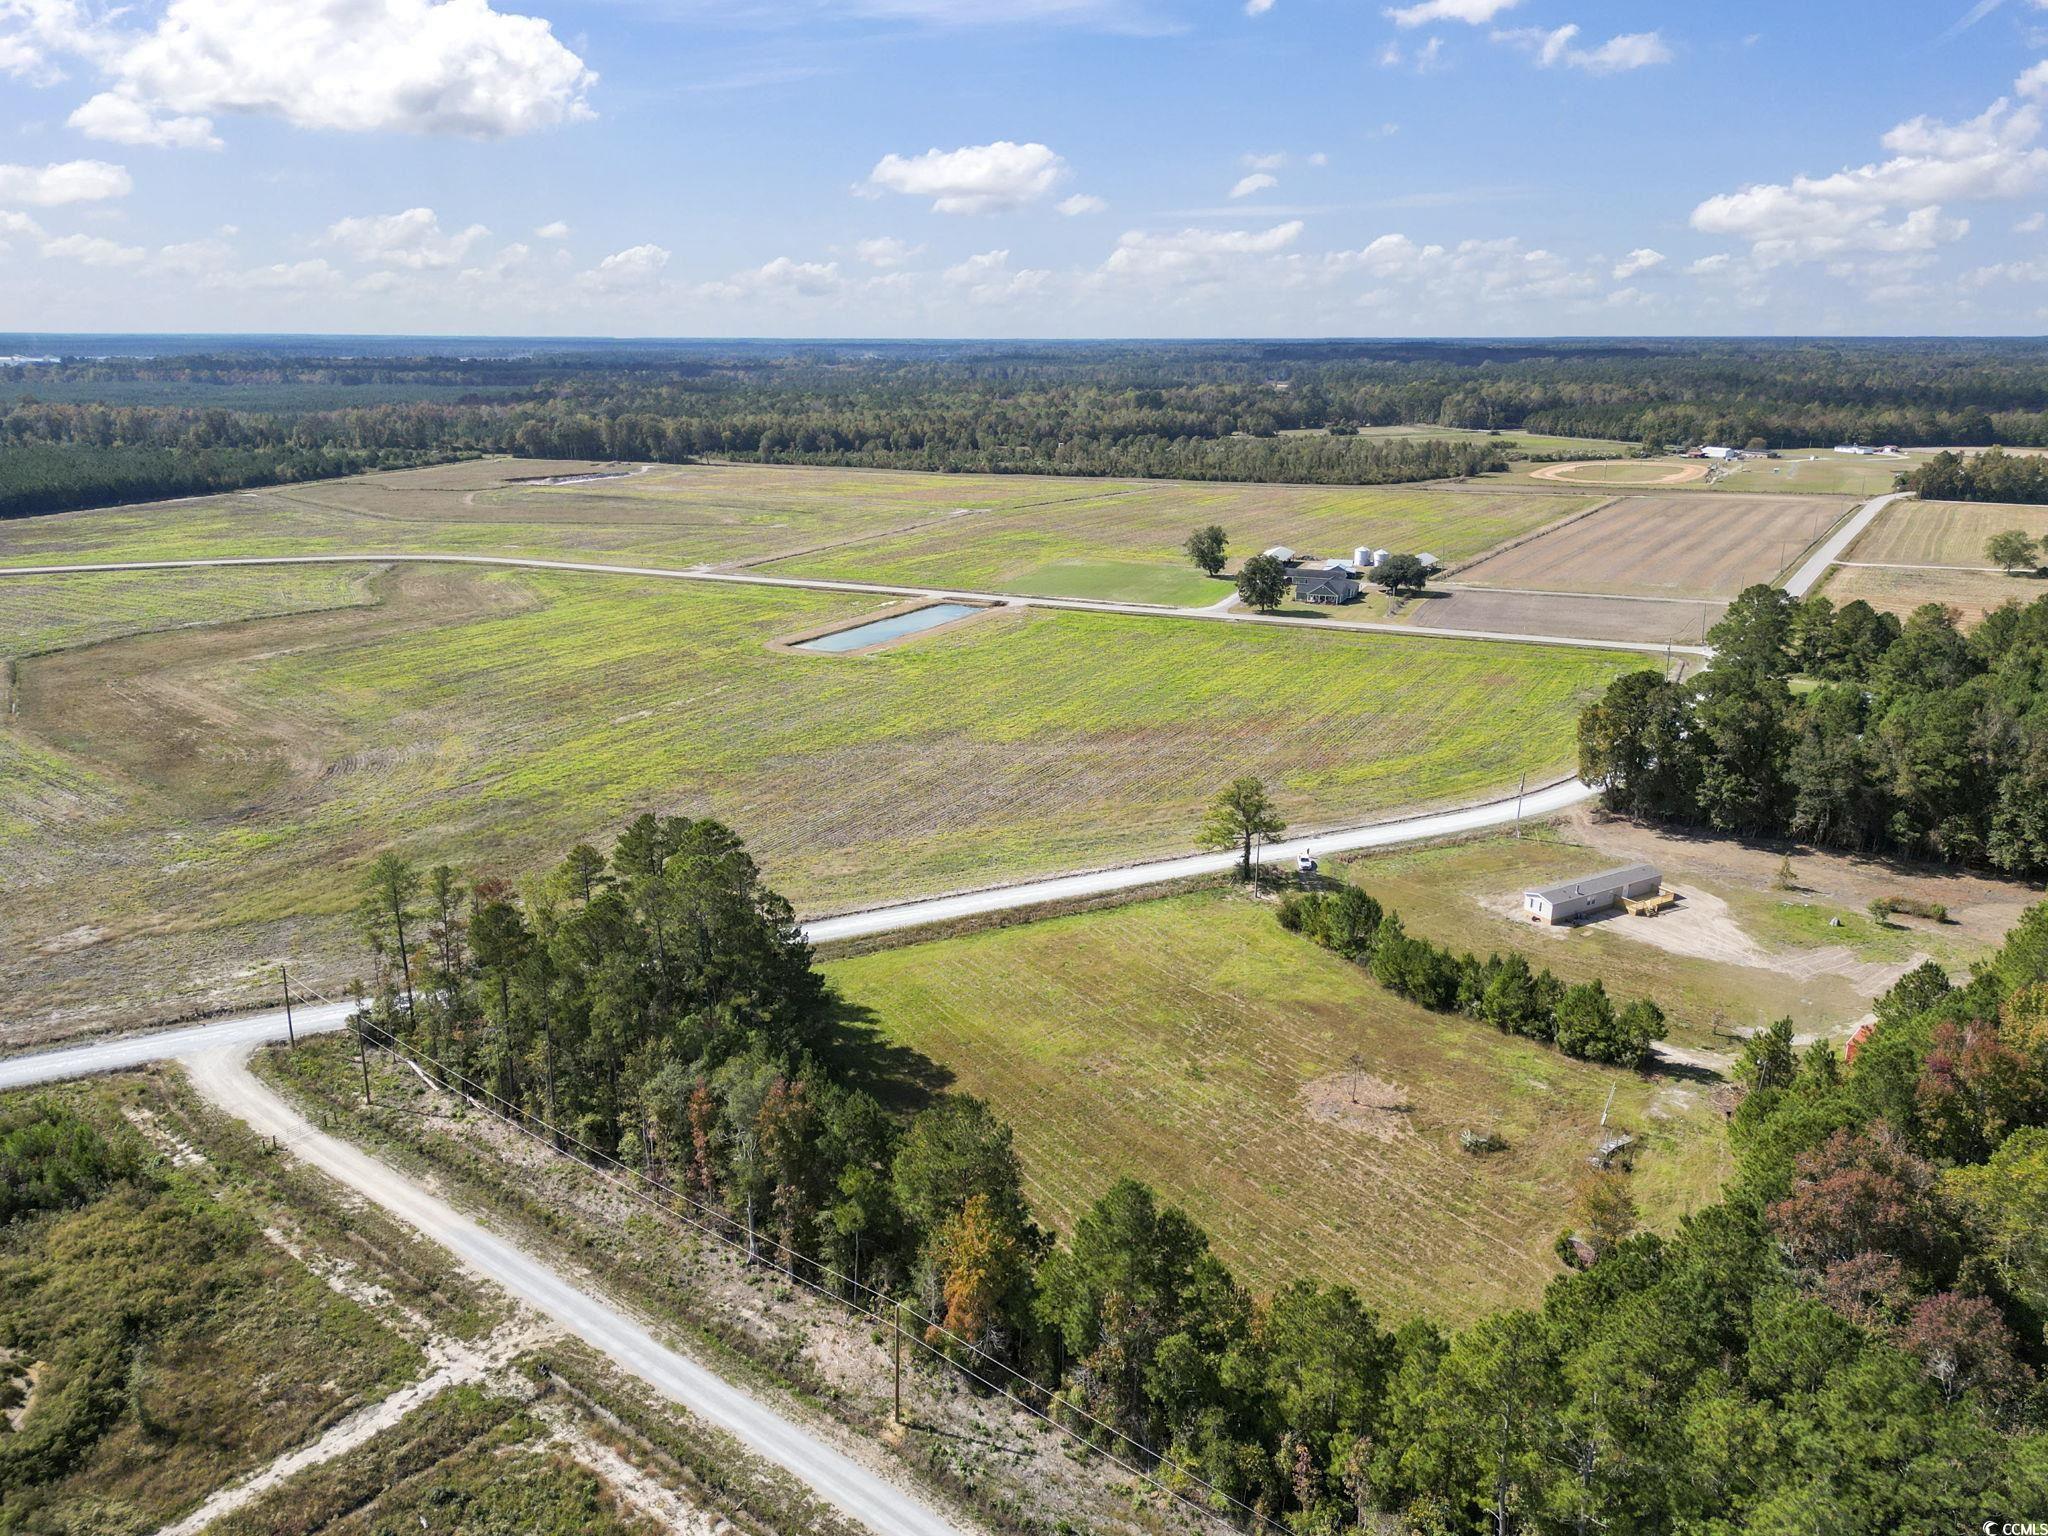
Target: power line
515	1117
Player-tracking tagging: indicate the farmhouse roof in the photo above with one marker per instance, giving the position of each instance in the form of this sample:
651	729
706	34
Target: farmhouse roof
1282	553
1600	884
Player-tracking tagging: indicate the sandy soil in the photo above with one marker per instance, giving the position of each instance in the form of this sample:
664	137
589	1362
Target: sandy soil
1684	474
1702	926
1981	908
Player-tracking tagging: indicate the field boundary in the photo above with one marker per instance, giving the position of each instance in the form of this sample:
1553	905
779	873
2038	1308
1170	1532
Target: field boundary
1523	538
876	589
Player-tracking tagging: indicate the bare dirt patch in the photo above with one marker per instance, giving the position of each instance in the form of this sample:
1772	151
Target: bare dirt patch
1358	1101
1607	472
1665	546
1981	908
1703	927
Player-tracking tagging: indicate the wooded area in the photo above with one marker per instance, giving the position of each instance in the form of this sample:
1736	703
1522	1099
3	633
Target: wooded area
1921	740
1856	1330
1222	411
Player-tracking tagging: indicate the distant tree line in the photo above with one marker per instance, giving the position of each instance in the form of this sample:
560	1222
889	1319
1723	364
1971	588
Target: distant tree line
1230	411
1851	1341
1580	1020
1921	739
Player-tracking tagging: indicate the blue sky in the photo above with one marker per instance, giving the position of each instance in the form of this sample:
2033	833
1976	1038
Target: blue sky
1024	167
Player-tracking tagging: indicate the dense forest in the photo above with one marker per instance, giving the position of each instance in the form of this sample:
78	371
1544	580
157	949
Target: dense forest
1850	1342
1236	411
1920	739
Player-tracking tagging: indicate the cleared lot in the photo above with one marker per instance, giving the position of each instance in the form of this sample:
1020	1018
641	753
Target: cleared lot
1665	546
1647	621
1900	589
1943	532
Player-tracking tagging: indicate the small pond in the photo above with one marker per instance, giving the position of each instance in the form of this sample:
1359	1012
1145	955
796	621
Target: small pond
894	628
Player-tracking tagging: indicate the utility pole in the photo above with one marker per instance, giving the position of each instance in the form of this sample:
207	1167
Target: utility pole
363	1055
896	1322
290	1035
1519	793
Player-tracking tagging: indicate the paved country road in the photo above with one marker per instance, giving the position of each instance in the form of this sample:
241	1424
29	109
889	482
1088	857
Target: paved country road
1808	576
222	1077
1215	614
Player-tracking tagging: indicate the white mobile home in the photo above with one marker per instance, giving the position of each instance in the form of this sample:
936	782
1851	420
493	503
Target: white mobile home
1595	893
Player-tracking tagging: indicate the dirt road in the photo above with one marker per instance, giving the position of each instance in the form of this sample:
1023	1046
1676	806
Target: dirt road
223	1078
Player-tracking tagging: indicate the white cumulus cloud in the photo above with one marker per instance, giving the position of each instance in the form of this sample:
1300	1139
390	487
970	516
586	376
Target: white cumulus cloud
456	67
1258	181
1891	206
977	178
1476	12
119	119
1195	252
412	239
633	267
1079	204
1637	262
68	181
558	230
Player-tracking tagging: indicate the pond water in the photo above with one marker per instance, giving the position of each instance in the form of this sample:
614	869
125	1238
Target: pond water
893	628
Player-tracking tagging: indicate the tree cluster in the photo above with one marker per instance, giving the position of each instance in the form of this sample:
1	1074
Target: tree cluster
1580	1020
1921	739
1991	476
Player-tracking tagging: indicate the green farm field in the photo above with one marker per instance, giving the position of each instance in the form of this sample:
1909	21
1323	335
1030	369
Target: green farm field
1118	539
1125	543
188	808
1942	532
1194	1044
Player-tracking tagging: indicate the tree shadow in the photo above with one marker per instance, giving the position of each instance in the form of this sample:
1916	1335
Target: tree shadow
854	1049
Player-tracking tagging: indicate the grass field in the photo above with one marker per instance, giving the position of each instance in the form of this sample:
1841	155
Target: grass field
1678	621
186	809
1665	546
1124	540
1819	473
1943	532
1901	589
173	1337
1035	535
1186	1042
1514	444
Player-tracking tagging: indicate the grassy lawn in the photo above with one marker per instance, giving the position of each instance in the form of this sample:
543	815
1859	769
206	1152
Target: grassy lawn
1180	1041
1123	538
1462	896
169	1344
1943	532
191	807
